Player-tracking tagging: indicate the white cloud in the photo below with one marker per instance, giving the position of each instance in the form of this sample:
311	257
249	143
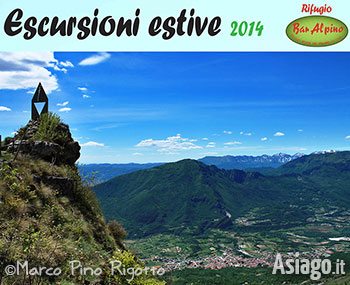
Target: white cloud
227	132
347	137
279	134
170	144
2	108
263	139
95	59
246	134
232	143
93	144
211	144
24	70
300	130
205	139
83	90
66	64
137	153
66	109
63	104
59	69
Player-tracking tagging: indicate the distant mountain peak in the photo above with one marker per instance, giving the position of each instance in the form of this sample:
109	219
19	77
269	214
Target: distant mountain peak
246	161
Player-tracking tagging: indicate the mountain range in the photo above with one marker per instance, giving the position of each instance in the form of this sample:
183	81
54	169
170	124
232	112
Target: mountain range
245	161
191	196
108	171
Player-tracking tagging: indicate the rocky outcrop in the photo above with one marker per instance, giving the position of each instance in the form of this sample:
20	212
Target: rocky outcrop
62	150
71	152
62	184
45	150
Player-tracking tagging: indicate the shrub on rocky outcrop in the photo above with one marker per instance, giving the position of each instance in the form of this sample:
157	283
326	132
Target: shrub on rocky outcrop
48	139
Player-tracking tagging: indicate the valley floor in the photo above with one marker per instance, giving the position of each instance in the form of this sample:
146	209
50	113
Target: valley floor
247	253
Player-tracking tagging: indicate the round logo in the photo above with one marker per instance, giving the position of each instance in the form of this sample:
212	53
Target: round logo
317	31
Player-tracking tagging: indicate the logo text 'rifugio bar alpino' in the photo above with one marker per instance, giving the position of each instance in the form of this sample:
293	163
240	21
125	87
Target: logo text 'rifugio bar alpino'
316	30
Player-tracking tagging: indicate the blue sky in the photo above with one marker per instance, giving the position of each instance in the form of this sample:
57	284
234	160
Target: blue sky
152	107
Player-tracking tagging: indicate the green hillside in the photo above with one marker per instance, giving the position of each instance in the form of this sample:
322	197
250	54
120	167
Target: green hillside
175	195
190	196
49	217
